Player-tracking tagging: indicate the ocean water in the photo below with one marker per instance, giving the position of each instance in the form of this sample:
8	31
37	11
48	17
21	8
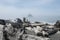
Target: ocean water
49	19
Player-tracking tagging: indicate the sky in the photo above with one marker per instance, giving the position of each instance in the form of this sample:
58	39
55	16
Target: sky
22	8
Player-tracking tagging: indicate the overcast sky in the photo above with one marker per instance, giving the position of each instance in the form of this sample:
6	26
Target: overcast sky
21	8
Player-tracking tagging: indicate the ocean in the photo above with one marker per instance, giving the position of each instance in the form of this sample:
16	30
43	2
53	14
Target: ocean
49	19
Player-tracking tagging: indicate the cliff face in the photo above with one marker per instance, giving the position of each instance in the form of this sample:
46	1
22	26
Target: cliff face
1	33
56	36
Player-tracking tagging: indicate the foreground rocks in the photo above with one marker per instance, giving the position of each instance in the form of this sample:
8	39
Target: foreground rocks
15	30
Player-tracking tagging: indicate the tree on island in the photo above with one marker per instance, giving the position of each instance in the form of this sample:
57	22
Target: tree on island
57	24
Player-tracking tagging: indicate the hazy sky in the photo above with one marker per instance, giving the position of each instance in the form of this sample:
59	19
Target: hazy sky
21	8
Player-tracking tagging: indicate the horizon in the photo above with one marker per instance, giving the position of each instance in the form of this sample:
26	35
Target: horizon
11	9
